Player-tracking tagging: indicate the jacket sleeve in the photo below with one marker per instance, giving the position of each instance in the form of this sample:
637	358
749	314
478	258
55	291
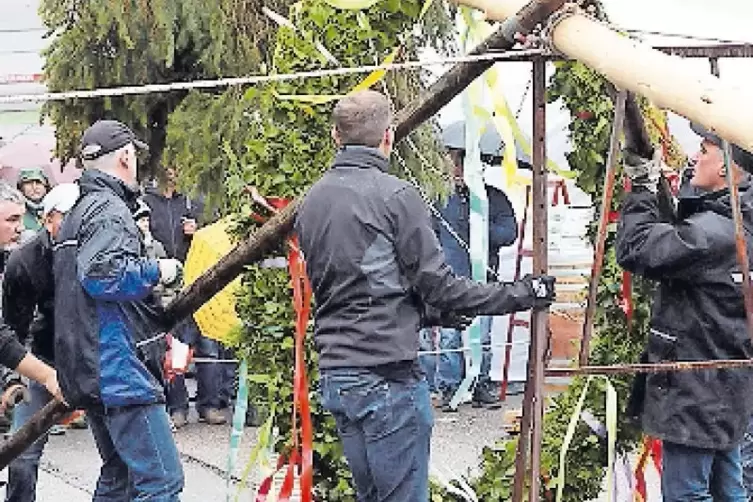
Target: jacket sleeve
648	246
503	227
423	263
109	262
11	350
19	298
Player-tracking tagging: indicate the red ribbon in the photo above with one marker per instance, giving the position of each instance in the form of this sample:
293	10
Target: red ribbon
302	453
302	304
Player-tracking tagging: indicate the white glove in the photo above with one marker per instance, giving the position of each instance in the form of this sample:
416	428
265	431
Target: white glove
170	271
644	172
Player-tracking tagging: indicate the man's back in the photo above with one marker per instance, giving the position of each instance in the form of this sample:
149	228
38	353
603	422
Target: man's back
105	318
348	239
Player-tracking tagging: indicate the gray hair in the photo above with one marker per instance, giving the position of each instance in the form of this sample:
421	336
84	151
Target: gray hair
10	194
362	117
106	162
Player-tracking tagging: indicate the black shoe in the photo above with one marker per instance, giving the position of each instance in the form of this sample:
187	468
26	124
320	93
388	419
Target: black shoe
446	399
483	397
516	388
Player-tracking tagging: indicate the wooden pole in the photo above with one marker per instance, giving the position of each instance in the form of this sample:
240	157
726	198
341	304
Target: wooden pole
277	228
634	66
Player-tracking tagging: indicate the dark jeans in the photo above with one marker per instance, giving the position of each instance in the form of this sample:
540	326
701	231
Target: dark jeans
700	475
445	370
385	427
214	380
22	472
140	461
746	455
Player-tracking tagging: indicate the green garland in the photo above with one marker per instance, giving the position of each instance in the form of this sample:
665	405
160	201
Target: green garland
281	147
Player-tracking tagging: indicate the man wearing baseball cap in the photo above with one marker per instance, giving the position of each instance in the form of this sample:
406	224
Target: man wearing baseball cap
28	303
108	344
698	314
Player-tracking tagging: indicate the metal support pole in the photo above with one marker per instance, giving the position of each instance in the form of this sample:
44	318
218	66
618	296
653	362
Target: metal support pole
601	235
741	245
533	405
540	318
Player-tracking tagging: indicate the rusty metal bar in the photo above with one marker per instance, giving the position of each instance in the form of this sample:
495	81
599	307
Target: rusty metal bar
511	324
601	235
741	245
533	406
625	369
539	318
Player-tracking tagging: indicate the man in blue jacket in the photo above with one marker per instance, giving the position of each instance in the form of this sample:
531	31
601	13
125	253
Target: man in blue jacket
503	231
108	343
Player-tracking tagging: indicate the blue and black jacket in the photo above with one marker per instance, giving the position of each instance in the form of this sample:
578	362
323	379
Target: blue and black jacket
108	347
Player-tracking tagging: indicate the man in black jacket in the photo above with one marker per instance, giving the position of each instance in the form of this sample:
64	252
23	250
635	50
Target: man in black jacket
375	265
28	303
174	220
13	355
698	314
109	341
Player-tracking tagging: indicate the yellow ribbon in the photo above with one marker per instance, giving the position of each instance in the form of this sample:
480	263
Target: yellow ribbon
611	418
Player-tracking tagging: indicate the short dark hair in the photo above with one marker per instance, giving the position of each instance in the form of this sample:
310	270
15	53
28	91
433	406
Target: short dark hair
362	117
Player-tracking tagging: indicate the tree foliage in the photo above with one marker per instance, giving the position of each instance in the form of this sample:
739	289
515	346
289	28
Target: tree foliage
276	138
134	42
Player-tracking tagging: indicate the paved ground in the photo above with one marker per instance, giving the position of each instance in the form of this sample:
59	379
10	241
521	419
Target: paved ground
70	465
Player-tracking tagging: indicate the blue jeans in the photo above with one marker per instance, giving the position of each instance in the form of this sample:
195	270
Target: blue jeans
700	475
385	427
22	471
214	381
140	461
445	370
746	455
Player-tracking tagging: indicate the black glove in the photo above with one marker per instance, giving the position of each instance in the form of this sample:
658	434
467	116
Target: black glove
542	289
455	320
434	317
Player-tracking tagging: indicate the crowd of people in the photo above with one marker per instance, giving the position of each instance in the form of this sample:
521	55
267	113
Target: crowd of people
126	252
100	260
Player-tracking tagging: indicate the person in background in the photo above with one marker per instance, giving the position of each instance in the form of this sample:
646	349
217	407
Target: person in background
698	314
447	369
154	248
13	355
173	221
34	185
28	308
376	268
156	251
109	339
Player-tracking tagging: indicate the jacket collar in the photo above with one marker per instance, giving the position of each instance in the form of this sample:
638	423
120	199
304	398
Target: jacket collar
94	180
360	157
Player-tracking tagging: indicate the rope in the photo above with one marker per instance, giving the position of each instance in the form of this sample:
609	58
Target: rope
259	79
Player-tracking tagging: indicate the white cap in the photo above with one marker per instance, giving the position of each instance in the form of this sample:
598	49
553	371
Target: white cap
61	198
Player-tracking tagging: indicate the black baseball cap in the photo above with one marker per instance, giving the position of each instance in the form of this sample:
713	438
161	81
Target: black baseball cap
105	136
741	156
